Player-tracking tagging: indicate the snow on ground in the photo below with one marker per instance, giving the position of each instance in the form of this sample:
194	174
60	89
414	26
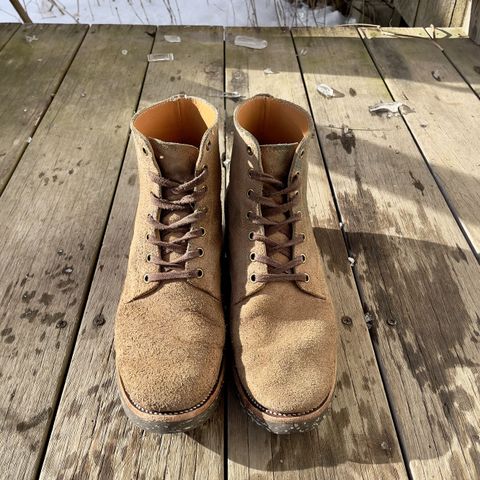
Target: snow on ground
176	12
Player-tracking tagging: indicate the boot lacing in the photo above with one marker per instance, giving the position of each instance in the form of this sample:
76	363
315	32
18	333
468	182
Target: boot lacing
276	200
179	197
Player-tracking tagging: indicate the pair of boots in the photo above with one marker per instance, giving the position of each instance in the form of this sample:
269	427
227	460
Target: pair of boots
170	328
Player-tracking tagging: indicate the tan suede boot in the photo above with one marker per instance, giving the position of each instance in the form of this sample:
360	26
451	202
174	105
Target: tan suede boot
282	321
169	329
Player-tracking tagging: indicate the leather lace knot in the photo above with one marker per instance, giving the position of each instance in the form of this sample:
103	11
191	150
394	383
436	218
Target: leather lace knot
180	198
275	200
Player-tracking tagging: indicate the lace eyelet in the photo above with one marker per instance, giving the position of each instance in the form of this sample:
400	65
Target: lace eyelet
209	144
302	153
302	236
248	215
253	278
148	236
303	257
251	235
149	257
146	278
307	278
145	151
249	150
249	193
199	273
201	252
299	213
203	231
250	172
252	256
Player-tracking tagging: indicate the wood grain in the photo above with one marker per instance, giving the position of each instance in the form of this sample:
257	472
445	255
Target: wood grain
357	440
419	279
434	12
53	214
446	118
474	25
408	10
33	64
101	442
462	52
6	32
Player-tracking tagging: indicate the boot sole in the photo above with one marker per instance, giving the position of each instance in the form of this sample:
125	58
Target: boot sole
282	423
171	422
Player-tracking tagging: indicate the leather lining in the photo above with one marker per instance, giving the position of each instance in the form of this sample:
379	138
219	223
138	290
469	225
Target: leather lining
272	121
167	121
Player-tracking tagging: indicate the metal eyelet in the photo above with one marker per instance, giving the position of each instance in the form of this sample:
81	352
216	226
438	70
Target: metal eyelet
302	235
248	215
148	236
200	251
299	213
146	278
209	144
145	151
307	278
253	278
251	235
252	256
303	257
250	172
249	193
203	231
302	153
249	150
149	257
199	273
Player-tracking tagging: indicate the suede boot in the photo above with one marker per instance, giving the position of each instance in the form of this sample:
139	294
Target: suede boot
282	322
169	328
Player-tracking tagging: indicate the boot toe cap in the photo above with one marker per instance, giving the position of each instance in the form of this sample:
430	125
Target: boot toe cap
168	363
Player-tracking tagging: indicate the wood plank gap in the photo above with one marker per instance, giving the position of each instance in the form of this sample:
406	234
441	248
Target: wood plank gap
355	272
54	209
461	52
31	62
475	248
348	443
420	278
87	291
7	31
104	443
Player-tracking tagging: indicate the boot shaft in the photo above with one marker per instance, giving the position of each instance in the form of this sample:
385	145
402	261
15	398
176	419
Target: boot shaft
272	137
176	139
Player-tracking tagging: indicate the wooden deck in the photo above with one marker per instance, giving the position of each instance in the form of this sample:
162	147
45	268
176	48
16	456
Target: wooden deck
399	195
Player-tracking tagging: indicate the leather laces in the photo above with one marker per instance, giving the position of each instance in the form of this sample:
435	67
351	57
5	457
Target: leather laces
276	199
180	198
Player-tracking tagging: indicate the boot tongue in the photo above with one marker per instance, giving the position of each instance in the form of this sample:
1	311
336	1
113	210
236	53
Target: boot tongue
176	162
276	161
180	164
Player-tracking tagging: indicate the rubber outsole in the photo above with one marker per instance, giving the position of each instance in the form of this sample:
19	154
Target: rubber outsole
281	424
171	422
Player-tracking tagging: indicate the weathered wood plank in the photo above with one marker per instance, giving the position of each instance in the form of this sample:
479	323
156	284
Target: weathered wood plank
461	51
474	25
446	119
407	9
101	441
6	32
358	439
33	64
460	14
434	12
53	212
419	278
